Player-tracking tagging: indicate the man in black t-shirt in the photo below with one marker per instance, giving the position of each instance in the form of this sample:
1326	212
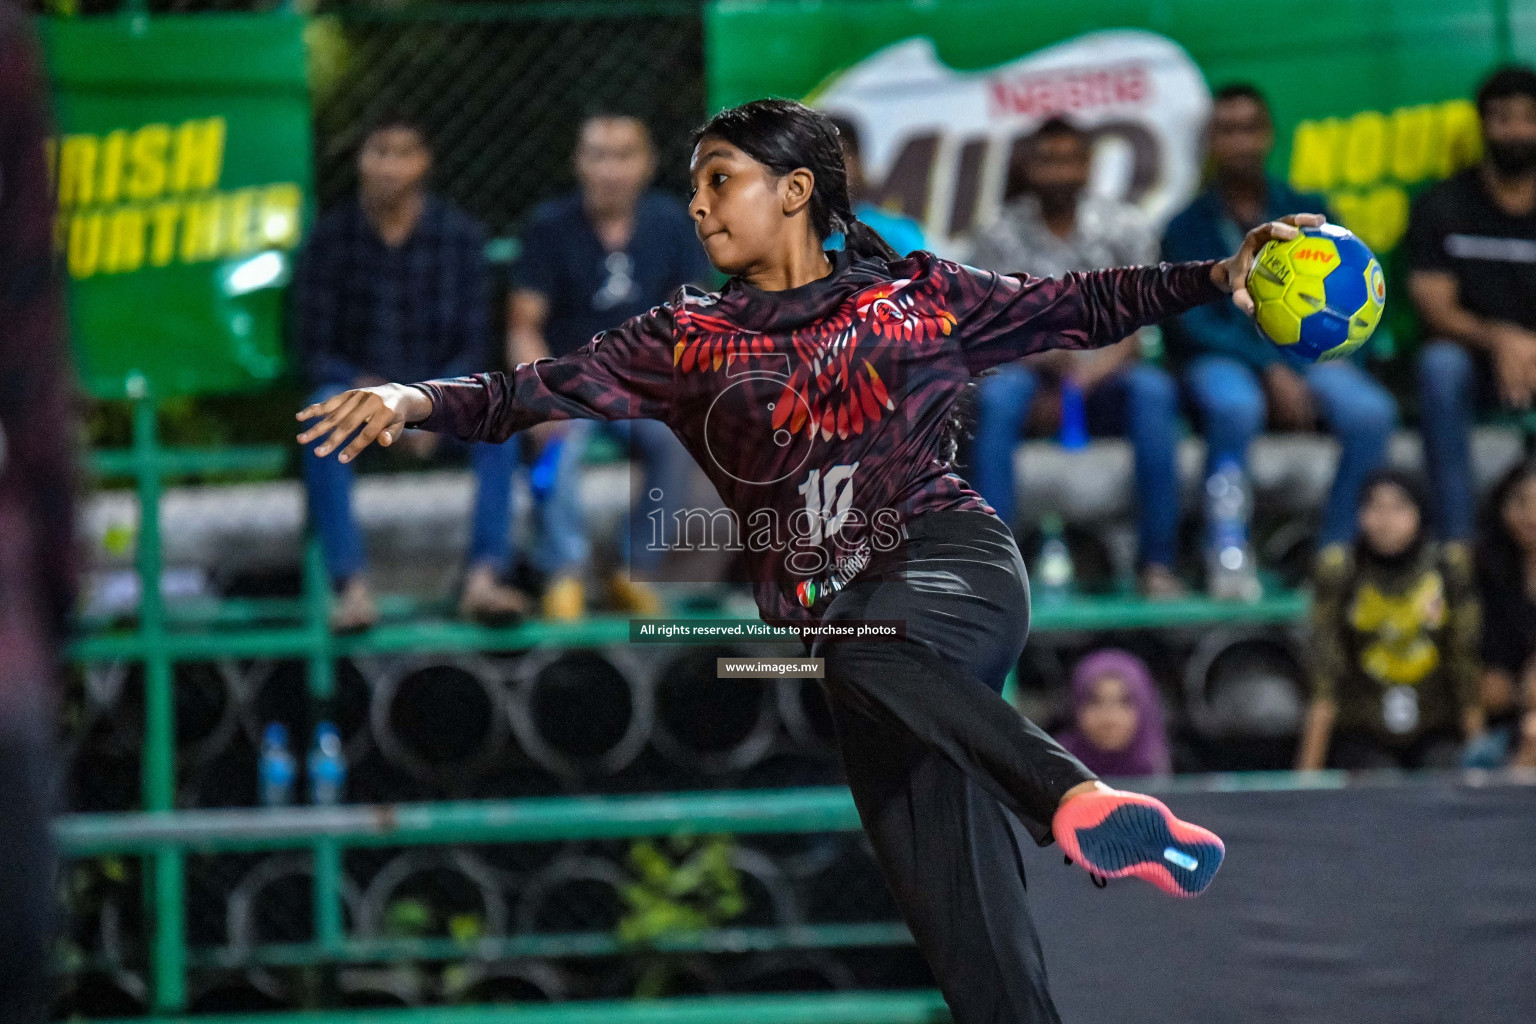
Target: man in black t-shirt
1472	259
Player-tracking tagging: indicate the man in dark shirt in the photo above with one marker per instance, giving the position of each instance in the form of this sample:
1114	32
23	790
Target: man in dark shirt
591	260
395	284
1052	226
1233	374
37	499
1472	259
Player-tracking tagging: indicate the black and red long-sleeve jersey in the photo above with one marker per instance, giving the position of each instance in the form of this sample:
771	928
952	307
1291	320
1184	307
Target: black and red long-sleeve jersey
818	412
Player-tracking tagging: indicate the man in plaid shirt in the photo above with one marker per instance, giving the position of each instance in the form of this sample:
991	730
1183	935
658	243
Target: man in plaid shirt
394	285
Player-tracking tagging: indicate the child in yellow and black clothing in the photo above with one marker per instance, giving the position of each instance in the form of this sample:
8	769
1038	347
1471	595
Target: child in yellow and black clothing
1395	622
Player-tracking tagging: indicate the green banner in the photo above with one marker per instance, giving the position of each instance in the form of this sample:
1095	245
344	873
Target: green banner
183	169
1372	98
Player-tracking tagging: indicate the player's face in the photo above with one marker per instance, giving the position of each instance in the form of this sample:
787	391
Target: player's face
1109	719
1057	168
737	206
1519	514
1241	136
1389	520
393	163
1509	133
614	163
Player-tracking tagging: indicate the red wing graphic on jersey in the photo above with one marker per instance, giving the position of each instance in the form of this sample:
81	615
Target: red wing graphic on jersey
831	387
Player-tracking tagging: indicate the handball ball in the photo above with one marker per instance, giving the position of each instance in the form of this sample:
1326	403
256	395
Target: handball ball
1319	295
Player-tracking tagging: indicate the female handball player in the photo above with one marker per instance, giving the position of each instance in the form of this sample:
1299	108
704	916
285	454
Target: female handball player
816	389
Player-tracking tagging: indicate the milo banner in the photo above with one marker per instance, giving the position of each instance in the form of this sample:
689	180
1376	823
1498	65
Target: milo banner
1372	99
182	166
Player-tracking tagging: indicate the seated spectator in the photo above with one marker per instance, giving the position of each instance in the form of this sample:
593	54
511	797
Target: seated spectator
609	250
1472	276
900	232
1394	641
1232	373
1506	585
1052	226
394	285
1117	721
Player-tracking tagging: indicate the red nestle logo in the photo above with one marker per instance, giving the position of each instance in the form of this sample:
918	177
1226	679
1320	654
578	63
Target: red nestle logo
1073	89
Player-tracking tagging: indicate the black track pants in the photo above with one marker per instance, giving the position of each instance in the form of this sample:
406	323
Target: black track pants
944	771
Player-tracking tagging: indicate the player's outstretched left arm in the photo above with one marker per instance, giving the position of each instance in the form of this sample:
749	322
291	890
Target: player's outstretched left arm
622	374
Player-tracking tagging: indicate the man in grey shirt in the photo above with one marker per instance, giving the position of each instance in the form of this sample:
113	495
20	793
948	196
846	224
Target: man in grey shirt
1050	226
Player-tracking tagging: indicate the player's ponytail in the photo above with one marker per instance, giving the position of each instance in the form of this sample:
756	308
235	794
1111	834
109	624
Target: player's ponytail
784	136
862	240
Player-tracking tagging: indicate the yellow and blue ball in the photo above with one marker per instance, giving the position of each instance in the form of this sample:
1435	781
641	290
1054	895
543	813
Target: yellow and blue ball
1320	294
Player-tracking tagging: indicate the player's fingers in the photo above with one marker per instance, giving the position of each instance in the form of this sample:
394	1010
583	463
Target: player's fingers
1243	299
332	432
371	430
347	425
321	408
1254	241
334	416
1304	220
1278	230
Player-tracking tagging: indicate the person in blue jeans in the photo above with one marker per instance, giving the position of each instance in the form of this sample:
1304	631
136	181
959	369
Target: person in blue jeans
609	250
393	284
1049	227
1472	276
1232	374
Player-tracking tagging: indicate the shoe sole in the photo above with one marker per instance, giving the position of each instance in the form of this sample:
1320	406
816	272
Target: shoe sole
1119	835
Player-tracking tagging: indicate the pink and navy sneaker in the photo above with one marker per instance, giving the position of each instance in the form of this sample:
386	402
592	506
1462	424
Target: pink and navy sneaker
1114	834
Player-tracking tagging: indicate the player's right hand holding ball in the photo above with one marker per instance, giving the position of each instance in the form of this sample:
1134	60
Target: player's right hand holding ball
376	413
1231	274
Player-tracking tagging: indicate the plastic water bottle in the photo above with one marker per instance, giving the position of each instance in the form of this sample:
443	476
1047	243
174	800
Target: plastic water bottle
276	769
1231	572
546	469
1054	567
327	766
1074	416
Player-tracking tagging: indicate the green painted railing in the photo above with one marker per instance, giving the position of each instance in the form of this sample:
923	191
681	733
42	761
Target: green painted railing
172	836
897	1007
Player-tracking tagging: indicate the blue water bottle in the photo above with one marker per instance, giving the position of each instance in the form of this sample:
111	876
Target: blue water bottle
1231	571
546	469
275	769
1074	416
327	766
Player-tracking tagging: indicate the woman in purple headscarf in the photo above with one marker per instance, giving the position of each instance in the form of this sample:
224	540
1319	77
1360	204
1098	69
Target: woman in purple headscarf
1117	721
